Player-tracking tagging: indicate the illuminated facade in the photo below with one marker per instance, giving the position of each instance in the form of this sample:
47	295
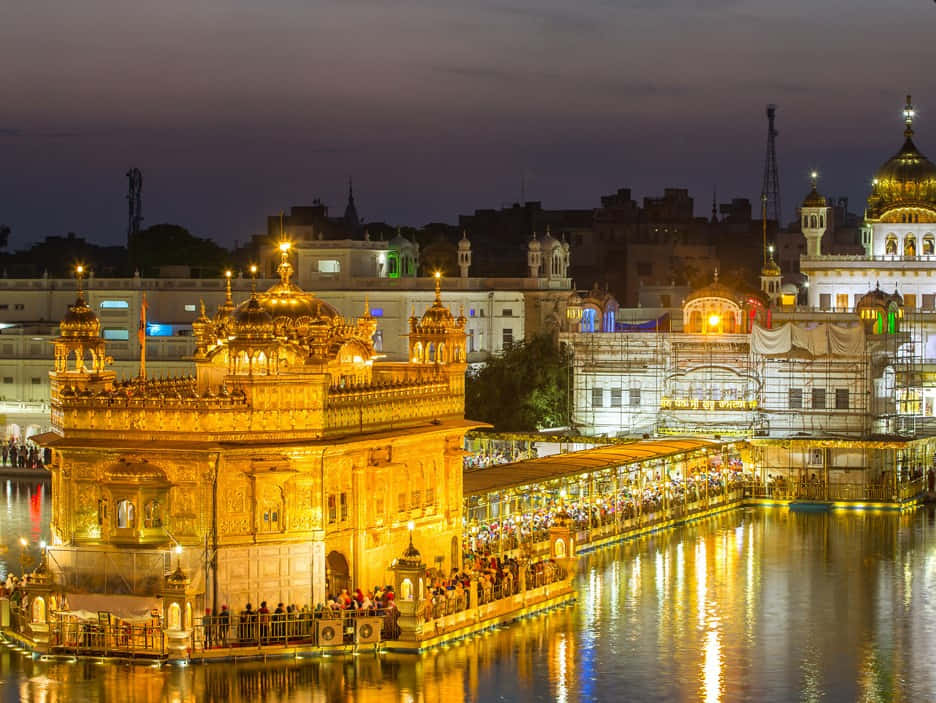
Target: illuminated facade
290	465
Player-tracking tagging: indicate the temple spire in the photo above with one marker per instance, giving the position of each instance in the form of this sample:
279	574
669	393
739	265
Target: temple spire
438	287
908	114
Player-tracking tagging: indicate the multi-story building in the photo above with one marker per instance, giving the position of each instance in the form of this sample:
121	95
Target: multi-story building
346	273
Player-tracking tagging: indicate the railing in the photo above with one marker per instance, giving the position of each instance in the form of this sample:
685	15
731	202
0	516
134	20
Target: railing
125	639
448	603
284	629
819	491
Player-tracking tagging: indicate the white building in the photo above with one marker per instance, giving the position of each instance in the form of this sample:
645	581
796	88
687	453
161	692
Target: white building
346	273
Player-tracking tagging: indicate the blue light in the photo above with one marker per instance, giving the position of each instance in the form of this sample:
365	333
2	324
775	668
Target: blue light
471	312
154	329
376	312
116	334
114	304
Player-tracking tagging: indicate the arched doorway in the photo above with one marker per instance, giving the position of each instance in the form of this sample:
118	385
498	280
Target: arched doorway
337	574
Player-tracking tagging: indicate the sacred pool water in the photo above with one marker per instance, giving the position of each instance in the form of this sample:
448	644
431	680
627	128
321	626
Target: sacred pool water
757	604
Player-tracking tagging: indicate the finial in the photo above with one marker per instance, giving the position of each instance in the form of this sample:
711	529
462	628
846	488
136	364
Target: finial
438	287
908	114
716	274
79	274
714	207
285	268
464	234
814	177
366	306
201	303
253	279
228	300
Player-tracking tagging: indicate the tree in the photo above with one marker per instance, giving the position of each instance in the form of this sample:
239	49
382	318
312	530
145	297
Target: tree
525	388
4	236
173	245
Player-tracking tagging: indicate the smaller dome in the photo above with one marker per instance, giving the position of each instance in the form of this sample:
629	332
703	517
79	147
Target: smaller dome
771	268
437	316
878	297
813	199
252	321
534	244
80	320
574	299
464	244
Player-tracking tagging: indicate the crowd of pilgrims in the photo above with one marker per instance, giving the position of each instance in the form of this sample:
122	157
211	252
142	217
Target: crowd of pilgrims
495	578
511	532
21	454
495	457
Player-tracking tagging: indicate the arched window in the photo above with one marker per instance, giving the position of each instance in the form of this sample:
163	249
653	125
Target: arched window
441	353
890	245
821	221
417	353
588	320
813	222
430	352
152	514
126	514
805	221
910	245
929	245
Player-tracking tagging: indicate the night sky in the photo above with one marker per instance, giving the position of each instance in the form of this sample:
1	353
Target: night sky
236	109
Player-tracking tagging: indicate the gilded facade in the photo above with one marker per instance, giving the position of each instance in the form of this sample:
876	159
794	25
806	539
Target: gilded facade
293	463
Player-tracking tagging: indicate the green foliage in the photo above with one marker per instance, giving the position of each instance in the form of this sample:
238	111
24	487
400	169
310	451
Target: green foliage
4	236
173	245
524	389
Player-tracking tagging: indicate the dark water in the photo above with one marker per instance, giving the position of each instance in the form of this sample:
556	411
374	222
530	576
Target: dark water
759	605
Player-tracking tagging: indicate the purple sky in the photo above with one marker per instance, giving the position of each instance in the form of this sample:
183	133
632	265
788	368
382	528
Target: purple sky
238	109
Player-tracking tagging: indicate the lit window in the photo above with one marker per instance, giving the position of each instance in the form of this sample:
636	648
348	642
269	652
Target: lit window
471	312
329	266
332	510
114	305
154	329
344	506
376	312
189	308
126	515
116	334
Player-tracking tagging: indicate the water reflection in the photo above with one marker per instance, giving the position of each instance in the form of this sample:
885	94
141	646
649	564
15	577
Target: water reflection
766	605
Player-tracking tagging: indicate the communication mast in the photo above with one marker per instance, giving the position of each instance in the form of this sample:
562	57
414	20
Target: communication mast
770	192
135	201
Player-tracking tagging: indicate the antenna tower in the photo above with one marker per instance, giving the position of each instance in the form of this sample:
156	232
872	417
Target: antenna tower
135	202
770	192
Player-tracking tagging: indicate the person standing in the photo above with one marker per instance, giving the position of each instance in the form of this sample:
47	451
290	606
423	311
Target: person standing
224	624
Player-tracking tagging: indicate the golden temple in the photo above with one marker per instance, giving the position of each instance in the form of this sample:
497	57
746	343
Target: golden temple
293	464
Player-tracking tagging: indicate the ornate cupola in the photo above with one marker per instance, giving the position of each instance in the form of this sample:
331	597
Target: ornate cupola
534	256
814	216
80	335
464	255
437	338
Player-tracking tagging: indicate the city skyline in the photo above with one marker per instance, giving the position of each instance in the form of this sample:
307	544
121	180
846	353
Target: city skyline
235	112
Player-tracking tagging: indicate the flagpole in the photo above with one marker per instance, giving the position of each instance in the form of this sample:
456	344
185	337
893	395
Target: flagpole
141	337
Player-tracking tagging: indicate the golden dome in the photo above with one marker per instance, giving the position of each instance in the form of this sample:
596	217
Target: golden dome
771	269
813	199
80	320
907	179
252	321
288	302
438	316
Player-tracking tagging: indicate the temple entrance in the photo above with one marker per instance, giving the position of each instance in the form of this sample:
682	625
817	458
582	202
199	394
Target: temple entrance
337	574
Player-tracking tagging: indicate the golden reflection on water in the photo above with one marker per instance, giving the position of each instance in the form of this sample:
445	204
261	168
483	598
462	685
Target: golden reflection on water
765	605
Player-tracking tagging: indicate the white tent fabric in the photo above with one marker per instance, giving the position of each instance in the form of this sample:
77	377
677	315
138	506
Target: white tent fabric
846	341
775	341
86	606
821	340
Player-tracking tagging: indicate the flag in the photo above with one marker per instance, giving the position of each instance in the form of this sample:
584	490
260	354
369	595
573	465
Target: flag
141	333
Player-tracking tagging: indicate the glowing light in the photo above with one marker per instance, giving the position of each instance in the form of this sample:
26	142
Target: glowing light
770	249
284	246
411	525
253	268
178	549
23	542
814	175
42	545
714	320
228	273
438	274
79	269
